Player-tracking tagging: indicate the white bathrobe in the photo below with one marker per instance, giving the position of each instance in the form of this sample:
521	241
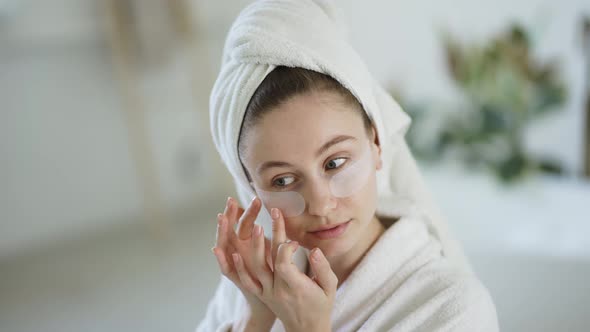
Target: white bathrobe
402	284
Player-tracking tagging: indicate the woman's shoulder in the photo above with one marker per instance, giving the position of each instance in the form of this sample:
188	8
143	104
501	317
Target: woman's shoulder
444	294
457	296
428	293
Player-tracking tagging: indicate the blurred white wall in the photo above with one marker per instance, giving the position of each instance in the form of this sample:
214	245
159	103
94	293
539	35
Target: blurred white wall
66	164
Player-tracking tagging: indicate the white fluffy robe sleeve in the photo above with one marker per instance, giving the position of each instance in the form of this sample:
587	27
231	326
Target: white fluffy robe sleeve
402	284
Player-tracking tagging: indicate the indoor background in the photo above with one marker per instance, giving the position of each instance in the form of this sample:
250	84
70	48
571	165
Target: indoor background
109	181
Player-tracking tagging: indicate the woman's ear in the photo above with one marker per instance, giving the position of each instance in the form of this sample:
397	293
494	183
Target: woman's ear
375	141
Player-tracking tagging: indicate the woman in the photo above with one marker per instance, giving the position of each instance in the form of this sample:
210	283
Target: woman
309	135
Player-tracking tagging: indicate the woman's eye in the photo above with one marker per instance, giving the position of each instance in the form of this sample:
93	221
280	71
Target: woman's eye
335	163
283	182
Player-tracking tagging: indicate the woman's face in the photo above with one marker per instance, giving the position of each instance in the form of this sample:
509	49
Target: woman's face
299	147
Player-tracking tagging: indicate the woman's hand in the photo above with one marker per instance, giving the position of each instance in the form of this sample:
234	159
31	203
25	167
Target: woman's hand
300	302
236	251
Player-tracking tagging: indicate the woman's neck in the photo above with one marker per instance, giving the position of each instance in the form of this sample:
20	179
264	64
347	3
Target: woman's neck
343	265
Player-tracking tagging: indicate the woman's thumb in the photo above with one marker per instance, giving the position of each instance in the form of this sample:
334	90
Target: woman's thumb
324	275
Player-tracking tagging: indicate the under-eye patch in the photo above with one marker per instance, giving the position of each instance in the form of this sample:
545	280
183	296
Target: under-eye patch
353	177
346	182
291	203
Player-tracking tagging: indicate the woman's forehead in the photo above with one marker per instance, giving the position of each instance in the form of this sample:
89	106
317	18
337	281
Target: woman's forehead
301	126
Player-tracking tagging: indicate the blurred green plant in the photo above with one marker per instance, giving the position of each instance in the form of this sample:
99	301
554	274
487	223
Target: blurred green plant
504	89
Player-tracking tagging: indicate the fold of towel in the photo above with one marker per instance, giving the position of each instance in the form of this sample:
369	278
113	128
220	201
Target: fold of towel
311	34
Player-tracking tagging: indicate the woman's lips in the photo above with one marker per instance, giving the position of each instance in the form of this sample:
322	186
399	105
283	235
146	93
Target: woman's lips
332	232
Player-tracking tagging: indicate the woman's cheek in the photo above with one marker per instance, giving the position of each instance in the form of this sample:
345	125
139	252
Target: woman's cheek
291	230
369	192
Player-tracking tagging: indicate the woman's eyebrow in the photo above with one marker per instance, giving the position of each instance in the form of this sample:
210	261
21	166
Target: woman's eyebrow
338	139
333	141
270	164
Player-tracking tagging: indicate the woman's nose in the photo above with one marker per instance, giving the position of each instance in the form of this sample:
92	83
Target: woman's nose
321	201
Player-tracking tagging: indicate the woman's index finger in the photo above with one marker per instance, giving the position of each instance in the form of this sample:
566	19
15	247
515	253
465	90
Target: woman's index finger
278	231
248	218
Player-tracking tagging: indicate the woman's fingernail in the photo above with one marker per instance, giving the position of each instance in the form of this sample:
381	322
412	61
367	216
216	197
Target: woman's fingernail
235	257
213	250
257	230
219	219
275	213
315	255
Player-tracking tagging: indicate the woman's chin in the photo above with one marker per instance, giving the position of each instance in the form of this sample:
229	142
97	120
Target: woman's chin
330	249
